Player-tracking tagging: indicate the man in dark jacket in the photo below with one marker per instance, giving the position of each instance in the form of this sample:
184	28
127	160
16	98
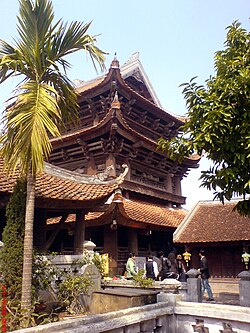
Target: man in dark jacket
205	275
165	264
151	268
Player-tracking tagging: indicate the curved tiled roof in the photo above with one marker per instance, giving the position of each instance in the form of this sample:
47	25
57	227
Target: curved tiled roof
211	221
61	184
153	214
137	211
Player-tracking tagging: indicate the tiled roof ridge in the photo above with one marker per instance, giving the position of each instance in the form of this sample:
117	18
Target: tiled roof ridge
215	202
101	179
183	224
55	185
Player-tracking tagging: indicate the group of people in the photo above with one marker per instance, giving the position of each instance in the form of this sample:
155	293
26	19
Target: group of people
171	266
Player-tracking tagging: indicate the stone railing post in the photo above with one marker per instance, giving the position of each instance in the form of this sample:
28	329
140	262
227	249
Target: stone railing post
244	287
193	286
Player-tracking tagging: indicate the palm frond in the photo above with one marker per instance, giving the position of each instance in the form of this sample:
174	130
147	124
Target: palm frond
34	28
74	38
47	97
28	124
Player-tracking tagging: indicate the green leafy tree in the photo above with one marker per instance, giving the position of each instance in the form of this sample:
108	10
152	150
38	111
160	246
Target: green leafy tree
218	122
44	99
11	255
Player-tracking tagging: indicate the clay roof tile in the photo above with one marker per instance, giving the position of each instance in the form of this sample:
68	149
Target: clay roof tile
211	221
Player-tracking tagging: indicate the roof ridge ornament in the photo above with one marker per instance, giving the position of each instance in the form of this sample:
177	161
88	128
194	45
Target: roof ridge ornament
116	103
135	57
101	178
120	179
115	63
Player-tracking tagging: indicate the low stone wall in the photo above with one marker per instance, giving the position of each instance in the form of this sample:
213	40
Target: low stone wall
210	318
174	316
133	320
167	285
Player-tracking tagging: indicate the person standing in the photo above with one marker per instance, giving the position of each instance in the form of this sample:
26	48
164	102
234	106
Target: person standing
151	268
165	264
131	267
205	276
181	268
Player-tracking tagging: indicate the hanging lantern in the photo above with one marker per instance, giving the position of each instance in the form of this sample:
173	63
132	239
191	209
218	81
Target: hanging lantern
187	257
245	258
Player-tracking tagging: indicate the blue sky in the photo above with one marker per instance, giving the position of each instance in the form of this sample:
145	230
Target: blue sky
176	40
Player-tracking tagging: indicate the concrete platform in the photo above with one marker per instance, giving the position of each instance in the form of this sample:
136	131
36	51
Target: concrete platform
115	299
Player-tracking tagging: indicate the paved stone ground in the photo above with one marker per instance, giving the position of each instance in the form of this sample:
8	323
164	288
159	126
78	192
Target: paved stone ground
225	291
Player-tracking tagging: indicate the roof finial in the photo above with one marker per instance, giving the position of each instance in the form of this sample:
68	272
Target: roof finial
115	62
116	103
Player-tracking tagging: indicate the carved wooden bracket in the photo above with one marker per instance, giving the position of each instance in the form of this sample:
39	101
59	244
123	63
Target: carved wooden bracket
112	145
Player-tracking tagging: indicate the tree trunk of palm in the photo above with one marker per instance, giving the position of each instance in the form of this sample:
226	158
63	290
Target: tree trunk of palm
28	244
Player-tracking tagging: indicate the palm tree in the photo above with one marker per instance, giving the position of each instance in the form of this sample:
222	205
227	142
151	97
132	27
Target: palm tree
42	102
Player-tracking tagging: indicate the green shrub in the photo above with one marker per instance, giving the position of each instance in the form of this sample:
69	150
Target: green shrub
43	271
70	290
94	258
142	281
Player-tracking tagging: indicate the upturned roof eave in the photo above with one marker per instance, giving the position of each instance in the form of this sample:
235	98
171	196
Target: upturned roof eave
115	73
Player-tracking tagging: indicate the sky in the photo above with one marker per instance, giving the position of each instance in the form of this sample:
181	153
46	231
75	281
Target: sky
176	40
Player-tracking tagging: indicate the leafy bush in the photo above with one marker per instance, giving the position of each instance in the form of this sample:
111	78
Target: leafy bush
95	258
142	281
44	271
70	290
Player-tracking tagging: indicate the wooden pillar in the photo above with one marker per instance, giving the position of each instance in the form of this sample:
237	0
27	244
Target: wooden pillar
132	241
110	247
79	232
40	229
168	183
178	185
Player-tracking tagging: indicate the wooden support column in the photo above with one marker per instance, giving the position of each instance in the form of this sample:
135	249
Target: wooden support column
178	185
168	183
79	232
132	241
110	247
